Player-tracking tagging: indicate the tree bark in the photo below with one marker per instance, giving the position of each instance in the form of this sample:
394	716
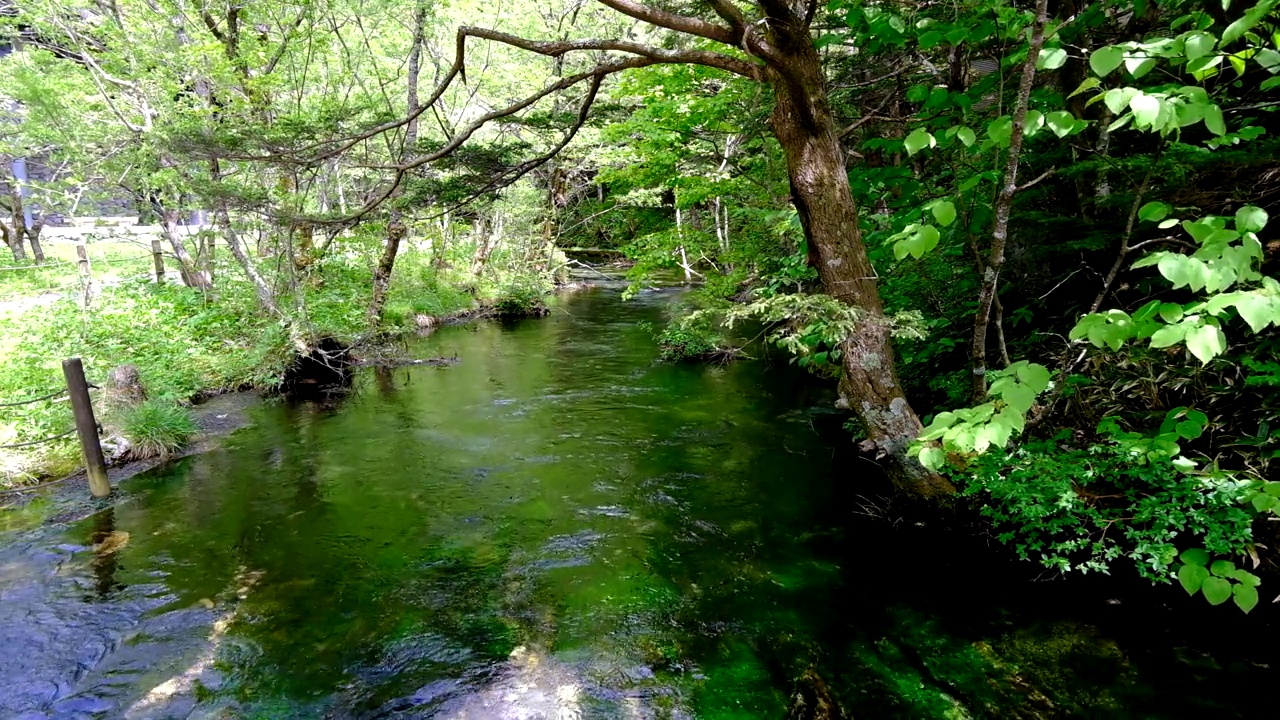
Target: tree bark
396	229
1003	208
803	123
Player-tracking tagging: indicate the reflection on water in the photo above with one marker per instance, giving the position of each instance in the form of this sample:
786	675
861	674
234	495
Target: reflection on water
560	527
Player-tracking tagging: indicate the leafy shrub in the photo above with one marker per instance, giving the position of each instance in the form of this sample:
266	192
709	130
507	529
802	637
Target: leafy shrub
693	339
1080	508
157	428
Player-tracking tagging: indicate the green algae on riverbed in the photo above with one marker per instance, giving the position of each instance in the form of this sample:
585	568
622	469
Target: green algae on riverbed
558	522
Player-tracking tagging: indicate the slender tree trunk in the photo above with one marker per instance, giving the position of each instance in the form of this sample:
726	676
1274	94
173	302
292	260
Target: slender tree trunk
803	123
33	234
223	216
1003	208
192	276
396	229
14	241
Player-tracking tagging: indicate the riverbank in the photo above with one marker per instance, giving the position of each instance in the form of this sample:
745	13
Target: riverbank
189	345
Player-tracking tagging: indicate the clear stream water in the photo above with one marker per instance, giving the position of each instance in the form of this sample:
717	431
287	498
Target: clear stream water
561	527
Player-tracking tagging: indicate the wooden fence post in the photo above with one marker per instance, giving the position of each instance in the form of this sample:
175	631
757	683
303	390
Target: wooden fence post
159	260
95	466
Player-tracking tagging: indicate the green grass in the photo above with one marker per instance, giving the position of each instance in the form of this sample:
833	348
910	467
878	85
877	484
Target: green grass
184	342
157	428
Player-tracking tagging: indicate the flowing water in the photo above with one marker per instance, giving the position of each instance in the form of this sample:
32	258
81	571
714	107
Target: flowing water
559	526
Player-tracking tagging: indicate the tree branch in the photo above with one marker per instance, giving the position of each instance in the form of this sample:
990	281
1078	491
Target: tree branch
672	21
556	48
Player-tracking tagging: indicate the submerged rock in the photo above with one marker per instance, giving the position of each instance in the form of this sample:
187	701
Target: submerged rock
812	699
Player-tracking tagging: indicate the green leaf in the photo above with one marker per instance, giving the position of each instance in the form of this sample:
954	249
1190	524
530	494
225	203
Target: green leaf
1213	120
1051	59
919	140
1263	502
1146	108
944	211
1000	130
1222	568
1198	44
966	136
1168	335
1189	430
1035	376
1272	488
1139	65
1246	597
1087	85
1268	58
1257	310
1216	590
1244	577
1195	556
1060	122
1166	224
1117	99
1251	219
930	39
1153	211
1170	312
1251	18
1192	577
1206	342
932	457
1019	397
1104	60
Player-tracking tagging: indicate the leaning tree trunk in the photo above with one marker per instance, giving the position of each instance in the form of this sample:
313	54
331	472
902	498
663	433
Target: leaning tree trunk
805	128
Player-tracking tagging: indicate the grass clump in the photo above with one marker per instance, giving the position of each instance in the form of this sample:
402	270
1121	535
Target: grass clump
157	428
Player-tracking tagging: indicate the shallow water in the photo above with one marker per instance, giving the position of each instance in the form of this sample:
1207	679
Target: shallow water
560	527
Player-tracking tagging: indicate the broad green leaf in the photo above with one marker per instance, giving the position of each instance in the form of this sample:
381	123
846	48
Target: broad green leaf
1268	58
1244	577
1206	342
932	457
1170	312
1216	590
1104	60
1198	44
1117	99
1263	502
944	211
1189	430
966	136
1166	224
919	140
1272	488
1145	109
1222	568
1251	219
1245	596
1168	335
1139	65
1192	577
1019	397
929	39
1257	310
1060	122
1195	556
1213	120
1051	59
1035	376
1153	211
1000	130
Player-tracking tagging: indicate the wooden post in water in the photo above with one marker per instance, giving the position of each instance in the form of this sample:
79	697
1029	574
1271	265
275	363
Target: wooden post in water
159	260
95	466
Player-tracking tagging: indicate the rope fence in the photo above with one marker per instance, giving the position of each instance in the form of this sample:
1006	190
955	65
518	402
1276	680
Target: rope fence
50	396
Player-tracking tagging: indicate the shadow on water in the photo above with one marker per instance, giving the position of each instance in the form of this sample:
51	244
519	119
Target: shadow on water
560	527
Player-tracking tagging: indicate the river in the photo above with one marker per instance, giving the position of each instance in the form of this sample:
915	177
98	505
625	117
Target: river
560	526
